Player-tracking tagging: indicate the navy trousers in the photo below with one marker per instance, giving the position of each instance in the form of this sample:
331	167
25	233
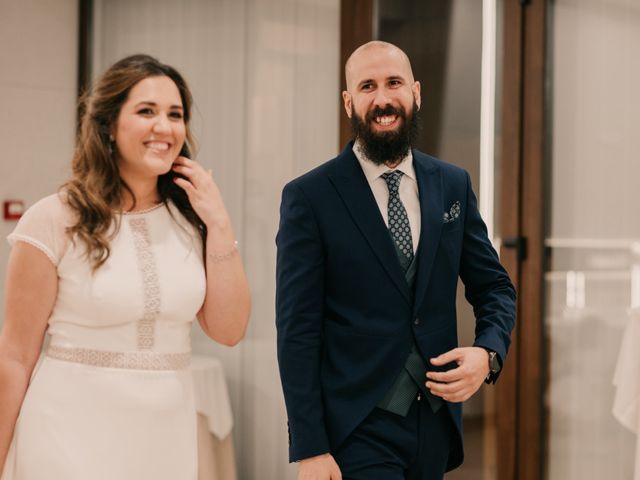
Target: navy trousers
386	446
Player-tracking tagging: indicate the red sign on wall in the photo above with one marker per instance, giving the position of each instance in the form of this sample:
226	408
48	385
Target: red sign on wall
13	209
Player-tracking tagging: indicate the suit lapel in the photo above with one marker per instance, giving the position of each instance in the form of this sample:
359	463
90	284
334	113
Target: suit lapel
429	178
352	186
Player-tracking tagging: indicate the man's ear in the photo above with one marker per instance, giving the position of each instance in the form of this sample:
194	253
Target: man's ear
415	88
346	98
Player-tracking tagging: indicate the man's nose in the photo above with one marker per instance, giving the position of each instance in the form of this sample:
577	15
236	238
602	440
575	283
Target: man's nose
382	98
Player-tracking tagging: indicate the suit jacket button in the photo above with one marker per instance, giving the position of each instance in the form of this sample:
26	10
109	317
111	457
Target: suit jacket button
416	321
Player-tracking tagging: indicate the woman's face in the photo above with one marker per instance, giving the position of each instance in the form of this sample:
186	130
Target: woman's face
150	129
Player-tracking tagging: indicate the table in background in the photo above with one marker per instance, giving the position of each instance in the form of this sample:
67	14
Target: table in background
216	458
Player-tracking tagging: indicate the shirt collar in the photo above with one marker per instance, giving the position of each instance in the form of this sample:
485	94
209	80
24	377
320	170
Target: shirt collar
373	171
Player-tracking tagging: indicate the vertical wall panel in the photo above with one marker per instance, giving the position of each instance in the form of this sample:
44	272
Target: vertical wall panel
264	74
292	67
38	70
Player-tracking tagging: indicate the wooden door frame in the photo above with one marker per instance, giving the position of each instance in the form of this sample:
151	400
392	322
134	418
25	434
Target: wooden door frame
85	46
510	228
519	393
356	28
85	53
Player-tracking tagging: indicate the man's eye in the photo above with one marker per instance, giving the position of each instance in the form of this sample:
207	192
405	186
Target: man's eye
367	86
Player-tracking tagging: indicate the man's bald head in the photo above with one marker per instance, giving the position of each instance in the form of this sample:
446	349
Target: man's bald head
371	51
382	100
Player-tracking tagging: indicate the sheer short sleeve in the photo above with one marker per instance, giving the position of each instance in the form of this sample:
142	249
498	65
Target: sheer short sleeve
44	226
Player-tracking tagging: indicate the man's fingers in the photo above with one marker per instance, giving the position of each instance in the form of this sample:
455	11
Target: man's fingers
448	376
336	474
441	389
321	467
447	357
452	392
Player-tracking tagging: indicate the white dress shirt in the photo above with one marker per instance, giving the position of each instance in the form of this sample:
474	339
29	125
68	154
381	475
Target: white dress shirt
408	189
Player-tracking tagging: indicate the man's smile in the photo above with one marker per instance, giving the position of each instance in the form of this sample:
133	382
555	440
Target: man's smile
386	120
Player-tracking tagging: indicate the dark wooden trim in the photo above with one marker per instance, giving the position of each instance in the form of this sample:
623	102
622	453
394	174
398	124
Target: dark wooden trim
356	28
85	51
85	26
510	226
520	390
531	388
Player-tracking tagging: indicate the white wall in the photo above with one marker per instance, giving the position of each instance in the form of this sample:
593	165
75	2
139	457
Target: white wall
38	71
265	78
596	98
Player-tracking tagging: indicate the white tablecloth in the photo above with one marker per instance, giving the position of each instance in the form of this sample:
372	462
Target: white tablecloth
216	458
212	397
626	403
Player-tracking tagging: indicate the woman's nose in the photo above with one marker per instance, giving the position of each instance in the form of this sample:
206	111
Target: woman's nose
162	124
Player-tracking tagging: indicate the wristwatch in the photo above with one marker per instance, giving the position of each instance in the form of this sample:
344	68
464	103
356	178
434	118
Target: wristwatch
494	362
494	366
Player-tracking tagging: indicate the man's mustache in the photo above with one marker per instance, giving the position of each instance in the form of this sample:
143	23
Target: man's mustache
388	110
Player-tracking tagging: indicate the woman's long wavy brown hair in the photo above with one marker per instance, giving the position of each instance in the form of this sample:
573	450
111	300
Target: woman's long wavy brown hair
95	189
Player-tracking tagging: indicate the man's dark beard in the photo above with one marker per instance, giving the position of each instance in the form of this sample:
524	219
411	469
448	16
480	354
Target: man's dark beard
386	147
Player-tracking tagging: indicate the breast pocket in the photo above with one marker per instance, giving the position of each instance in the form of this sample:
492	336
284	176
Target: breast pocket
451	226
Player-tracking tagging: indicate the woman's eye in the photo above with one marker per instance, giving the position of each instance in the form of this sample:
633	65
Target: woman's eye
145	111
176	115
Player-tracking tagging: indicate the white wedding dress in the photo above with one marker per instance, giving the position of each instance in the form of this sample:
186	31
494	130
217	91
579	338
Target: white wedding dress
112	396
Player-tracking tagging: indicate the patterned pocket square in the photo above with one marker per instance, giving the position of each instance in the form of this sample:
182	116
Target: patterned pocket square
452	214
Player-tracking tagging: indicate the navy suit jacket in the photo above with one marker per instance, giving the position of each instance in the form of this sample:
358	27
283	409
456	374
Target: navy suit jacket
345	317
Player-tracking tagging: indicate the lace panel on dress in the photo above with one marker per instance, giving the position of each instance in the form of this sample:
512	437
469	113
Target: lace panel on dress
150	284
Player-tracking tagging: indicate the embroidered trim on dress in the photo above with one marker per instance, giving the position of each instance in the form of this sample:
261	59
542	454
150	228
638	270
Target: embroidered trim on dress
146	210
128	360
150	284
19	237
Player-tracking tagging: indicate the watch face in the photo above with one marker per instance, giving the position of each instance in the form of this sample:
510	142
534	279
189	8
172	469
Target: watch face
494	364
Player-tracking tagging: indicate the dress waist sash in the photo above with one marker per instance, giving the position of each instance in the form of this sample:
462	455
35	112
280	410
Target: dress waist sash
125	360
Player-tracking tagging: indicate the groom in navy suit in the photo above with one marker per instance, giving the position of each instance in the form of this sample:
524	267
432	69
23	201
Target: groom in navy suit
370	248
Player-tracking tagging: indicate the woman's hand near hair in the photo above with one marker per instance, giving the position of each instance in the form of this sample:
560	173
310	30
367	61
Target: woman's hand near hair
225	313
203	193
30	294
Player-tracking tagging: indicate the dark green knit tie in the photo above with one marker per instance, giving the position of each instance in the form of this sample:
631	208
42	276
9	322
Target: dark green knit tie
412	377
398	220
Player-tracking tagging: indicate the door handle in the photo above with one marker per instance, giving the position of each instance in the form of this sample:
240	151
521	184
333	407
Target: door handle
517	243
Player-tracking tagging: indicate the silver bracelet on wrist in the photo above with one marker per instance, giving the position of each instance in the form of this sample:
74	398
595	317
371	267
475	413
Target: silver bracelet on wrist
221	257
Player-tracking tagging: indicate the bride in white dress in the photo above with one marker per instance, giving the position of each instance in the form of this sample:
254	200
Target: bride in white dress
114	268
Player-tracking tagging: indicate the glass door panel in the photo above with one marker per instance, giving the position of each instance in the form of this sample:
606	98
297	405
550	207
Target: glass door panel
592	282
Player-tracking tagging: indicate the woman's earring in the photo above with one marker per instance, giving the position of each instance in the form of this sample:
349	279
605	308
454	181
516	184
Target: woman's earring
112	140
